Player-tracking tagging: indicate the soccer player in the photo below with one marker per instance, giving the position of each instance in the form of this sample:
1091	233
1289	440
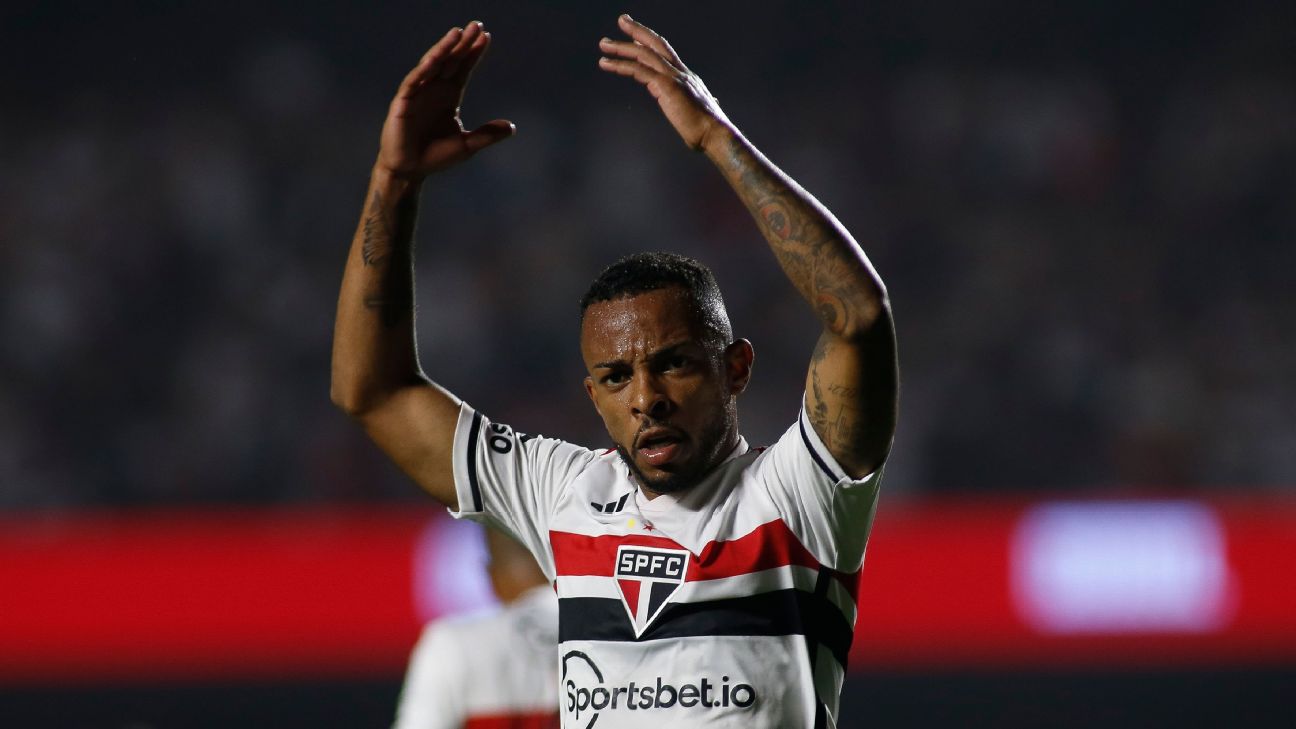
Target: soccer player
701	582
496	670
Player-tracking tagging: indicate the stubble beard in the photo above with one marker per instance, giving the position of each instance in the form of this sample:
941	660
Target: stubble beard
710	441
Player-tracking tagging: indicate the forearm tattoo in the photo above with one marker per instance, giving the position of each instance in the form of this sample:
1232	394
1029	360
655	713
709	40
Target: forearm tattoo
818	256
378	233
829	270
387	247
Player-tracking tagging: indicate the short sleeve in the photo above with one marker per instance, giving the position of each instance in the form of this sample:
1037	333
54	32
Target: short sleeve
432	696
512	480
831	512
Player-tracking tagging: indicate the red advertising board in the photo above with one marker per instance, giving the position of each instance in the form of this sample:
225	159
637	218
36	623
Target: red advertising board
282	593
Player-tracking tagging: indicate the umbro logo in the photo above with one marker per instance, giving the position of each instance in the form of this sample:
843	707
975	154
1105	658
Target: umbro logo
611	507
647	577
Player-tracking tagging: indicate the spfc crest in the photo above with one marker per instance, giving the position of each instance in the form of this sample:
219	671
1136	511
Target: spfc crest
647	577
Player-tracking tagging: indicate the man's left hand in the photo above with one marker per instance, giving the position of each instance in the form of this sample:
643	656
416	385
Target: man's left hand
650	60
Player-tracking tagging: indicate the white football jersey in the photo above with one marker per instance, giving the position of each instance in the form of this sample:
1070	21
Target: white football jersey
731	604
486	671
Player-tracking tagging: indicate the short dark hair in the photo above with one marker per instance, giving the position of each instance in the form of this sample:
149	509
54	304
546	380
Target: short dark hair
640	273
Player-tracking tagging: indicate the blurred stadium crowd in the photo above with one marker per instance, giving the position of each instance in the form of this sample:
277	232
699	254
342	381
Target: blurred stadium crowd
1089	237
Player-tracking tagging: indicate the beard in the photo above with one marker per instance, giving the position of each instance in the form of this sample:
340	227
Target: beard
684	476
667	482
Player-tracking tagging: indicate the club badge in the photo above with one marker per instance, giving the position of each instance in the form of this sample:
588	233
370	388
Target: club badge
647	577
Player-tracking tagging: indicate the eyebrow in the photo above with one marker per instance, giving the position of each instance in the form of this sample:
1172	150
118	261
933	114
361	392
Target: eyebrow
652	356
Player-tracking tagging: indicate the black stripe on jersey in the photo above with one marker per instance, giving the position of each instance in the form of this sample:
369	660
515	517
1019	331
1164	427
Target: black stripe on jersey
472	462
781	612
822	583
821	592
815	454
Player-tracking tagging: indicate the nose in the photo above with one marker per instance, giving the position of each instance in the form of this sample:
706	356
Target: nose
649	399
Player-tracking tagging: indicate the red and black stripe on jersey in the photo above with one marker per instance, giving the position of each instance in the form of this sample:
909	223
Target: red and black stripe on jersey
771	546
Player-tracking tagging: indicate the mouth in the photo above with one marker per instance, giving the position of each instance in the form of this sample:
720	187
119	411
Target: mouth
659	446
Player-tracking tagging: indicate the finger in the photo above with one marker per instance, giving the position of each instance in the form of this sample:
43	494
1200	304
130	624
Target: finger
471	60
638	52
489	133
454	59
649	37
633	69
429	64
443	46
472	31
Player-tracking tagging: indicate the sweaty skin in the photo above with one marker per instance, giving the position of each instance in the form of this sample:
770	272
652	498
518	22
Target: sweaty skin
671	409
852	384
377	378
666	396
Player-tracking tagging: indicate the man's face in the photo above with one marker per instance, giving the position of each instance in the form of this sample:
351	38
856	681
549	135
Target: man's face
667	398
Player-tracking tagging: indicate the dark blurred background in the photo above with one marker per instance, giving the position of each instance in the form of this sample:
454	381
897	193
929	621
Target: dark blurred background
1085	213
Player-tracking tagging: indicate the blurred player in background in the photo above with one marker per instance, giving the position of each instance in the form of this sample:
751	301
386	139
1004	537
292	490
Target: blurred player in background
497	670
700	582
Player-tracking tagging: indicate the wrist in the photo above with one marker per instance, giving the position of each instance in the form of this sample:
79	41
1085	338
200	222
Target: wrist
718	140
393	184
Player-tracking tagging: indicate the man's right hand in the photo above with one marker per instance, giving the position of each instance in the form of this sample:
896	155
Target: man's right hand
376	374
423	133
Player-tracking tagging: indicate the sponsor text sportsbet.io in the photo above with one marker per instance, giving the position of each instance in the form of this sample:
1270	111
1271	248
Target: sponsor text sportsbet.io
702	694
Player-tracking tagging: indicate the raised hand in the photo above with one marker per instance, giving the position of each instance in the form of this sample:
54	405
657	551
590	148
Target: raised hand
650	60
423	132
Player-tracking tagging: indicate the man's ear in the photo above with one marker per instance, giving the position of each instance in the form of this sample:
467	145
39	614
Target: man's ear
739	357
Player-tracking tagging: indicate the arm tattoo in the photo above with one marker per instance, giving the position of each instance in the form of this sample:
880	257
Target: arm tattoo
844	428
835	278
388	247
378	233
819	416
818	256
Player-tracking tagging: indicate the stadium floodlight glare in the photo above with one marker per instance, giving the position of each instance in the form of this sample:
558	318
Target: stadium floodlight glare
1122	567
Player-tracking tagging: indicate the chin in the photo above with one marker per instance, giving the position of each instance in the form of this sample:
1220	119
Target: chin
665	482
670	483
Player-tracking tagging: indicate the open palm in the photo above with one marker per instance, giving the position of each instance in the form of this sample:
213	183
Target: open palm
423	132
649	59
